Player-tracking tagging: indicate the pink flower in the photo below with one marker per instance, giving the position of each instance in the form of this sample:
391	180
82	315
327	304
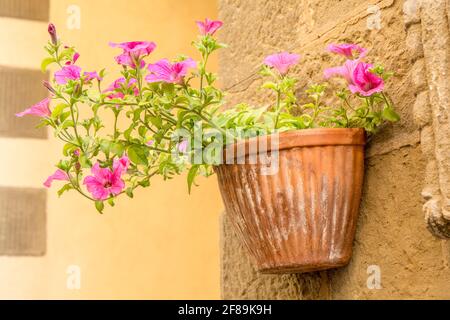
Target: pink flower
347	50
150	142
164	71
137	48
126	60
282	61
366	82
119	88
104	181
182	146
121	164
67	73
209	26
133	52
75	57
52	32
40	109
58	175
88	76
345	71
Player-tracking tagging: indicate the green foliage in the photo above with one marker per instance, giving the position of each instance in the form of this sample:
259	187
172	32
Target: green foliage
147	125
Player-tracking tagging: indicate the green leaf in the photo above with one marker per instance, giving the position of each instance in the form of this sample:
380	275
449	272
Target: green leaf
269	85
99	205
142	131
64	165
111	202
191	176
58	110
45	63
105	146
390	115
67	124
144	183
64	116
138	154
65	188
117	148
129	192
68	148
84	162
156	121
127	133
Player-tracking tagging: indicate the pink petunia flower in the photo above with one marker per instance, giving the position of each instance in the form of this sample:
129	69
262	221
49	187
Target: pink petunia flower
67	73
119	86
88	76
139	48
347	50
345	71
75	57
105	182
133	52
282	61
126	60
40	109
164	71
209	26
58	175
365	82
122	164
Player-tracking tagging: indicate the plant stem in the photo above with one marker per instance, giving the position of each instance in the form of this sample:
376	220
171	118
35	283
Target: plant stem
116	116
386	100
205	61
278	109
75	124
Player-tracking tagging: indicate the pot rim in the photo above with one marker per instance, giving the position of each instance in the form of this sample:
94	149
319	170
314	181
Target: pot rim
301	138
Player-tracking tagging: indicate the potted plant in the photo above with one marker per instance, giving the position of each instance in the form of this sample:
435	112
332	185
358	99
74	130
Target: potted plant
290	173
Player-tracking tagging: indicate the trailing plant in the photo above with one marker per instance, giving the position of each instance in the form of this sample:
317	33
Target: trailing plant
169	116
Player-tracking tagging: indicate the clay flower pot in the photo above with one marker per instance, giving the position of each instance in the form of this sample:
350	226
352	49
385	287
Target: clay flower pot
303	217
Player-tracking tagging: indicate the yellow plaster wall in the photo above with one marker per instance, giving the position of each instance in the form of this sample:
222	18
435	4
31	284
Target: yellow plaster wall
162	244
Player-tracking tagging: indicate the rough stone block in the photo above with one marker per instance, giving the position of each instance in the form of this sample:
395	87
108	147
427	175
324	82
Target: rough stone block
411	12
414	42
422	110
419	76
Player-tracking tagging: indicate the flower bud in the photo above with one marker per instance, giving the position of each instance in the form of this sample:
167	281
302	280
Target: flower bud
77	90
77	167
52	32
48	86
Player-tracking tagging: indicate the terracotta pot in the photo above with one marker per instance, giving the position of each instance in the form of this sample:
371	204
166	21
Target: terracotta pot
303	217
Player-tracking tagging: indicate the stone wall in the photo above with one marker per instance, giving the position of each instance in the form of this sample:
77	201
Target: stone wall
403	160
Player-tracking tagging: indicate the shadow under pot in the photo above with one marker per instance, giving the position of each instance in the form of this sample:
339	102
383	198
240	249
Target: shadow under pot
293	198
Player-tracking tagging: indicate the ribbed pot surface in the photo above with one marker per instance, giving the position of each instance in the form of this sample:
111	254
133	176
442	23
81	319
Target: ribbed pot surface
303	217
